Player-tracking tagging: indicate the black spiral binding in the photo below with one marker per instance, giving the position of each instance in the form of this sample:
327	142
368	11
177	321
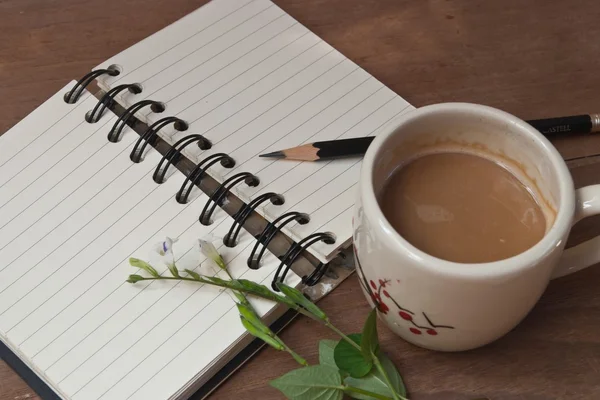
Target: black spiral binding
73	95
150	136
294	251
174	154
198	172
269	233
108	99
217	197
115	132
243	213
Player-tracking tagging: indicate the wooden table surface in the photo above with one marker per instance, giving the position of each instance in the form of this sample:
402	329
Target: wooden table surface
533	58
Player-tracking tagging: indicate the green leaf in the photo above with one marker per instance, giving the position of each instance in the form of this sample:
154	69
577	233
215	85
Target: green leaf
374	381
174	270
319	382
246	286
350	359
326	347
369	343
135	278
193	274
264	291
297	357
241	298
393	374
221	281
254	331
297	297
253	286
136	262
249	314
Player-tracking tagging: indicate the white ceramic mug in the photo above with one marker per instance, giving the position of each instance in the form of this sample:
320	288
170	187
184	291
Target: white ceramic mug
449	306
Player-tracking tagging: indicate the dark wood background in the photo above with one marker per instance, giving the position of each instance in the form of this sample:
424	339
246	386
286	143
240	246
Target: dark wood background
532	58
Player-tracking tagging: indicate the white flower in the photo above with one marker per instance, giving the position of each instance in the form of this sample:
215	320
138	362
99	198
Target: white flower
209	250
165	248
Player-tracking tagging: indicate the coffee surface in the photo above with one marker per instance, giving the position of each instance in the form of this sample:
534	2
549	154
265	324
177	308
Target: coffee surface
463	208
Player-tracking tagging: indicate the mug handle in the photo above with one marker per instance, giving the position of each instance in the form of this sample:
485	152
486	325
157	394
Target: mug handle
587	203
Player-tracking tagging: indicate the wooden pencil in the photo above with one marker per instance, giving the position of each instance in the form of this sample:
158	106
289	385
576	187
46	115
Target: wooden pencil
357	147
325	150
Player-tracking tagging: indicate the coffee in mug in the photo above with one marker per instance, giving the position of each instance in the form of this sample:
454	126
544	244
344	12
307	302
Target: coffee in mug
462	207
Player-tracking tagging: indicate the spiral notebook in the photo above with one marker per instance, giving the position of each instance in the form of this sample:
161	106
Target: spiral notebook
168	147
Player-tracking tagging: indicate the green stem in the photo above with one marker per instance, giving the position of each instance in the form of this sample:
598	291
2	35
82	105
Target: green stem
228	273
299	359
231	278
376	361
346	338
365	392
381	370
272	296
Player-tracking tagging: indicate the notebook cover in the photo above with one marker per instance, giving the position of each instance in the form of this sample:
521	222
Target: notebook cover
30	377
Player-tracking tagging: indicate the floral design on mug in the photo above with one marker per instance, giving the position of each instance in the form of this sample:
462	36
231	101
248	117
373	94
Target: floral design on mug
379	295
376	296
404	313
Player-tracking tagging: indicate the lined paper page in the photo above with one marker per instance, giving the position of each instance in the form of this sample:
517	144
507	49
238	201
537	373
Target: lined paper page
19	145
252	79
32	138
39	133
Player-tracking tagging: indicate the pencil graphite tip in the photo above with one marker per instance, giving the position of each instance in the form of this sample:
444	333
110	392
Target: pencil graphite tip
275	154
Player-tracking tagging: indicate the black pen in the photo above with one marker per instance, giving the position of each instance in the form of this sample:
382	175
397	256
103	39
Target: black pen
550	127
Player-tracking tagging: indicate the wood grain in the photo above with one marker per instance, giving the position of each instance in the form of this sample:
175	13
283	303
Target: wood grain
535	58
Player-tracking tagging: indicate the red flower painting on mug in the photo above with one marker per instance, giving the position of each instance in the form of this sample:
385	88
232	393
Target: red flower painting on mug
381	297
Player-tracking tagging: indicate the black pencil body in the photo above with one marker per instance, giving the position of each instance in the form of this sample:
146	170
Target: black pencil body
349	147
575	124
